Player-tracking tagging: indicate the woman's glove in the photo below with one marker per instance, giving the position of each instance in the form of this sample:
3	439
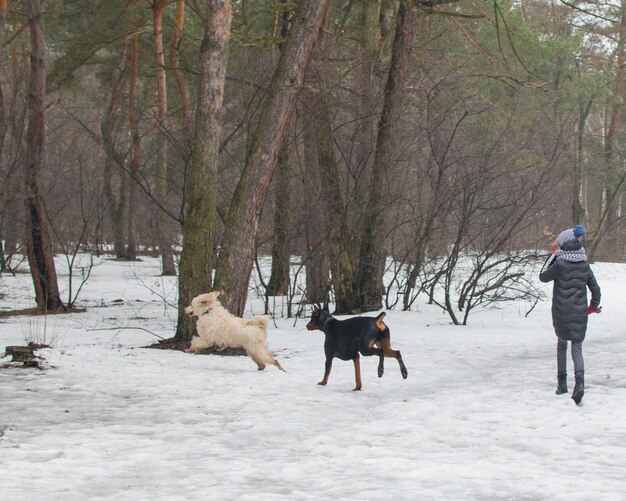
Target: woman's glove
594	309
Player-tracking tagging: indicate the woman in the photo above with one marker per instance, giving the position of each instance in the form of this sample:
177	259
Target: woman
572	276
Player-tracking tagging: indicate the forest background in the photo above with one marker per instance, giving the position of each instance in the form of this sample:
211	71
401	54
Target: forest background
429	147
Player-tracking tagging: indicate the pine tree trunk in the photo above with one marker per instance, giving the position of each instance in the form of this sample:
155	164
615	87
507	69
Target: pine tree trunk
236	257
163	225
38	246
200	223
278	284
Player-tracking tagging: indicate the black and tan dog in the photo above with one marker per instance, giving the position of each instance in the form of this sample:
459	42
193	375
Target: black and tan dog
345	339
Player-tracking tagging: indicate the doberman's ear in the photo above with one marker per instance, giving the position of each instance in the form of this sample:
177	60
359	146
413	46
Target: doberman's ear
315	309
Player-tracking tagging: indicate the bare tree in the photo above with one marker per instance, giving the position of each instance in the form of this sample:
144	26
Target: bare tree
135	148
200	224
38	246
236	257
278	284
116	203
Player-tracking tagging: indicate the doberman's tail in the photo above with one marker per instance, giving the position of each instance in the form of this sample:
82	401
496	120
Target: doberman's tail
380	324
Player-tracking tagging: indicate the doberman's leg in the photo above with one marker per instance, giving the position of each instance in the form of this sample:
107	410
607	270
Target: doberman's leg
391	353
327	367
357	372
381	364
373	349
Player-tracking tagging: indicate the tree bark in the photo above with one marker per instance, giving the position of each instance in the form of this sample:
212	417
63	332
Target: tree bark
200	223
373	244
38	246
236	257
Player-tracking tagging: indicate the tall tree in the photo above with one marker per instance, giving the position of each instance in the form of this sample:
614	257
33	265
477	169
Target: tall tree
330	235
345	215
373	244
163	228
200	223
236	257
3	8
321	218
13	119
135	148
38	245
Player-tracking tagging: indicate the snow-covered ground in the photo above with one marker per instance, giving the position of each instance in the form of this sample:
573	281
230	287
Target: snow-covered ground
477	418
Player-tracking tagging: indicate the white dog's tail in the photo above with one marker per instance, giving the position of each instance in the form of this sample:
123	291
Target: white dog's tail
257	322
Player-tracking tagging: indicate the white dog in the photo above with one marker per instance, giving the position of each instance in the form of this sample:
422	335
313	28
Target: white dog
219	328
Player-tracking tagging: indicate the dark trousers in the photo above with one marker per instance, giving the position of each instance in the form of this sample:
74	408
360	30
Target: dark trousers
577	356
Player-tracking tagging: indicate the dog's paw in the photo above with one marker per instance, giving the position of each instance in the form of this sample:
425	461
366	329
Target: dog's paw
405	373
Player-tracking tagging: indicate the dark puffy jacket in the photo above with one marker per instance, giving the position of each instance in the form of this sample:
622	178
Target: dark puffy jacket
569	297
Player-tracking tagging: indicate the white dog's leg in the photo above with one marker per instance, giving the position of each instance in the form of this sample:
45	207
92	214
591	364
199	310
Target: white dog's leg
257	360
196	345
276	363
262	356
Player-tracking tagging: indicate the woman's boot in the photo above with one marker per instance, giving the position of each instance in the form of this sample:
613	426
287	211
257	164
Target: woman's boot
561	384
579	387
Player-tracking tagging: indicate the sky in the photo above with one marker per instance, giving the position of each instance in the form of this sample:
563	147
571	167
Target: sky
107	418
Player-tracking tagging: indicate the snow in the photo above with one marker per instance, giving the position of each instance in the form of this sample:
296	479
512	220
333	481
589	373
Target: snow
477	418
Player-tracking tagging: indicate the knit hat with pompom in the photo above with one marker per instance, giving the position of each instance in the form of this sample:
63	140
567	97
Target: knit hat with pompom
575	233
